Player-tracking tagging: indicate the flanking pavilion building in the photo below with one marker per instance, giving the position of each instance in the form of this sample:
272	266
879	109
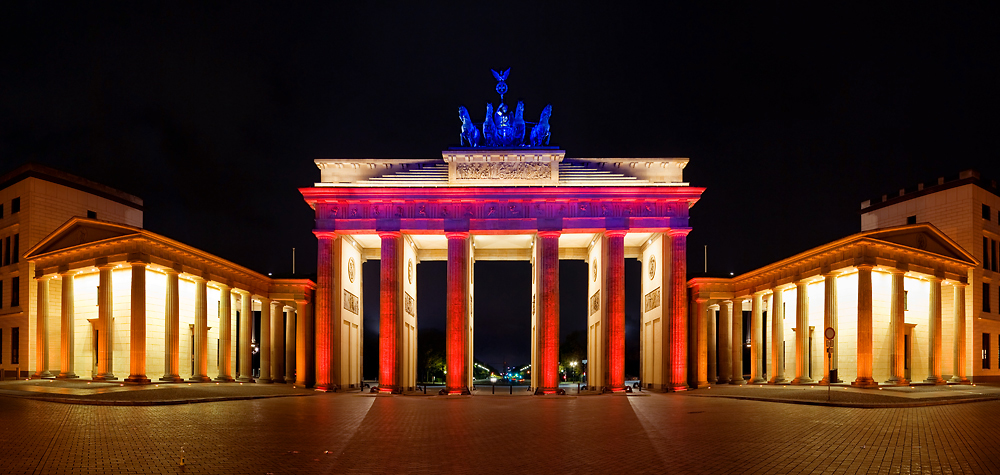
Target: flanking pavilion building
894	297
475	204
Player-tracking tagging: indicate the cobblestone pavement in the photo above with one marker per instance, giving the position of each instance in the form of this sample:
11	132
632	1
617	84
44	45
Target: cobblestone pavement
361	433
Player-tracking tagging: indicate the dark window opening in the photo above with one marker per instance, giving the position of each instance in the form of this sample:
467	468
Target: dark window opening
17	246
986	351
6	251
1	210
15	205
986	253
15	291
993	255
986	297
15	345
986	212
906	300
92	214
1	294
911	219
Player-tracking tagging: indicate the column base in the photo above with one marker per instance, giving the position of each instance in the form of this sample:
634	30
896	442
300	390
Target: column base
546	391
264	380
701	384
43	375
758	381
778	380
244	379
677	388
864	383
959	380
224	379
326	388
67	376
389	390
803	380
137	378
935	380
289	380
279	380
456	392
737	382
105	377
897	382
200	379
171	378
722	381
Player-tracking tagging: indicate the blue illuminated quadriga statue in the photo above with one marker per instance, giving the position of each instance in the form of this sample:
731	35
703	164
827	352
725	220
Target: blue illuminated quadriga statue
503	128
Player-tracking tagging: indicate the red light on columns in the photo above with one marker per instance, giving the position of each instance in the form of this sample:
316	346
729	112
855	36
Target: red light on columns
324	311
389	311
458	313
549	341
616	309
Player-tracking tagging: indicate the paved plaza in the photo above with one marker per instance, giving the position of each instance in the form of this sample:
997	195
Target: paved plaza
290	430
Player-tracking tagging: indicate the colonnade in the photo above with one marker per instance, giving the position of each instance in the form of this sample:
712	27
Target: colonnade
281	353
730	341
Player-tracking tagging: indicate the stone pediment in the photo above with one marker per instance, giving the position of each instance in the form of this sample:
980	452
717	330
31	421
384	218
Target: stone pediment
79	231
924	237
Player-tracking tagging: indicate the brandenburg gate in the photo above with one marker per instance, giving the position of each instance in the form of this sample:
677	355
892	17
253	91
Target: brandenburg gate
502	198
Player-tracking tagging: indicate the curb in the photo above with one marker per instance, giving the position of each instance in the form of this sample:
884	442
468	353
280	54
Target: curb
161	402
860	405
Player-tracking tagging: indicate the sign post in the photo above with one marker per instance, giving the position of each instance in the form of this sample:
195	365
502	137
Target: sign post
830	333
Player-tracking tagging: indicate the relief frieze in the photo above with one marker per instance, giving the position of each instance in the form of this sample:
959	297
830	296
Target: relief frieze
352	303
652	300
503	171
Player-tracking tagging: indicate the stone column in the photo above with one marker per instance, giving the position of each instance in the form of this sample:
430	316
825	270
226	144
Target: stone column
304	349
897	326
802	333
756	340
105	315
326	325
725	350
457	344
66	328
225	334
200	330
678	309
548	321
290	353
172	329
389	371
934	332
707	333
778	336
278	337
615	275
864	359
737	342
830	321
245	337
42	330
137	325
959	309
265	340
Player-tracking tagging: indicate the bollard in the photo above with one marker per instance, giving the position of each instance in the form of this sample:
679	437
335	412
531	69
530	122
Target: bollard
511	386
182	456
494	388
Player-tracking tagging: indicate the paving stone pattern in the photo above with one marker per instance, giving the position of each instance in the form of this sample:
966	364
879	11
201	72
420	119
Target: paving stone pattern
361	433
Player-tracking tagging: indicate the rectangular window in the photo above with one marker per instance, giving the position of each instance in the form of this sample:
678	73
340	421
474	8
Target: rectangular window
15	291
993	255
15	346
986	351
911	219
6	251
986	297
15	205
92	214
17	246
986	212
986	253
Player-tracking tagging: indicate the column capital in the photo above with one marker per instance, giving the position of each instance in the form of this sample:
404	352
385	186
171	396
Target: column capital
615	232
457	234
138	263
170	271
389	234
896	270
865	266
45	277
677	232
324	234
549	234
106	266
934	279
241	292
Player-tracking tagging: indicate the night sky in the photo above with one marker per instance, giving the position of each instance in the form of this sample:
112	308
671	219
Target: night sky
214	113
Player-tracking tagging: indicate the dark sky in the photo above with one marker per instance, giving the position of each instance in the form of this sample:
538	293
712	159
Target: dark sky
214	112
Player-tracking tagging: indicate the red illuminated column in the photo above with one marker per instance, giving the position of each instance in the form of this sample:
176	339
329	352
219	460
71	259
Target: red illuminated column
864	353
325	375
678	309
458	313
137	348
106	354
389	318
616	309
959	313
171	328
548	338
225	333
42	330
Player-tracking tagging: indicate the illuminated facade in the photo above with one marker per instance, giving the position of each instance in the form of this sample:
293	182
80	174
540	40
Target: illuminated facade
967	209
476	204
894	297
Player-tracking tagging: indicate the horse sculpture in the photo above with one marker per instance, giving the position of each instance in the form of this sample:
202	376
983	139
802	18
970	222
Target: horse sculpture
470	133
540	132
489	129
519	124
